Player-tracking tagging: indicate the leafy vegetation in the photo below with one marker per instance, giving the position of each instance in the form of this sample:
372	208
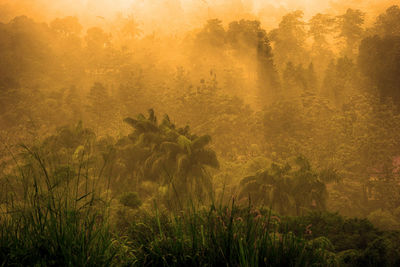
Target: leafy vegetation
291	158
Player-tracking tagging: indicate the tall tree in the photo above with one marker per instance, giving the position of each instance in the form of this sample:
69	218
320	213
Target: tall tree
340	81
66	26
350	29
250	41
212	35
379	59
289	40
100	106
293	187
388	23
321	25
97	45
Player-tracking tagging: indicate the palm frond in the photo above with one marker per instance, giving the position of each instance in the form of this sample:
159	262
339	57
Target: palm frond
170	148
152	117
182	164
201	142
185	143
133	123
207	157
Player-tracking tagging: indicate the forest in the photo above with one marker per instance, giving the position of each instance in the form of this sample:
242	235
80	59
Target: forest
234	141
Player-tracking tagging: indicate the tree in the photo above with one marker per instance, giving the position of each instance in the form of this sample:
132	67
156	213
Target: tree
96	39
368	137
232	124
212	36
379	59
25	51
100	106
250	41
172	156
291	187
340	81
10	101
289	39
73	103
66	26
298	80
208	46
321	25
98	44
388	23
131	29
350	29
67	46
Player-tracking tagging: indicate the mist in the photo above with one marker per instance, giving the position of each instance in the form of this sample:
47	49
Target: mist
187	14
199	133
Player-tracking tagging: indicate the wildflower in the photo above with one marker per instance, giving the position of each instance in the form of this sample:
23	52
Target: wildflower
308	229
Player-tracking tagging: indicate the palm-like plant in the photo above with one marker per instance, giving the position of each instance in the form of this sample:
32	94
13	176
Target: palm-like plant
272	187
191	157
169	155
289	188
309	190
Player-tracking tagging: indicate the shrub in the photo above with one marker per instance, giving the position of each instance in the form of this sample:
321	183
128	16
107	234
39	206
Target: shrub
344	233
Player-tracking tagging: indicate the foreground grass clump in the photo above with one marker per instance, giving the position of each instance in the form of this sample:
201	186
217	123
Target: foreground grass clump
52	216
221	237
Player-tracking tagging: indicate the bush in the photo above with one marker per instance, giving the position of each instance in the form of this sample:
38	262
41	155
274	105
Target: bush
381	252
344	233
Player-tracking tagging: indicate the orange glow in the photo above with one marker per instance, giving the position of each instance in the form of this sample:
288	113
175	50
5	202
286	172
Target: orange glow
180	13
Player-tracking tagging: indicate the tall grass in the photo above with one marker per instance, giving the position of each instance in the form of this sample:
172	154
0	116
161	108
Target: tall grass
221	236
53	216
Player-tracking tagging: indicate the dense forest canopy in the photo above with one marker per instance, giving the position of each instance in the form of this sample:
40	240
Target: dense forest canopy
177	104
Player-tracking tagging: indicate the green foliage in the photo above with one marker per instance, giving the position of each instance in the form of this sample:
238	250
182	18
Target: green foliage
50	223
350	28
378	59
381	252
221	236
388	22
289	39
224	80
172	156
344	233
289	188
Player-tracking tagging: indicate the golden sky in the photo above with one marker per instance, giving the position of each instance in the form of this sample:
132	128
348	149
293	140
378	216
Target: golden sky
170	14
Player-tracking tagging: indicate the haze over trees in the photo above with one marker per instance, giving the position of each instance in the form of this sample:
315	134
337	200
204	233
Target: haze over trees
188	148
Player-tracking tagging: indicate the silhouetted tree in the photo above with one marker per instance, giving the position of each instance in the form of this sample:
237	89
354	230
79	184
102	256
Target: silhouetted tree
379	60
350	29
